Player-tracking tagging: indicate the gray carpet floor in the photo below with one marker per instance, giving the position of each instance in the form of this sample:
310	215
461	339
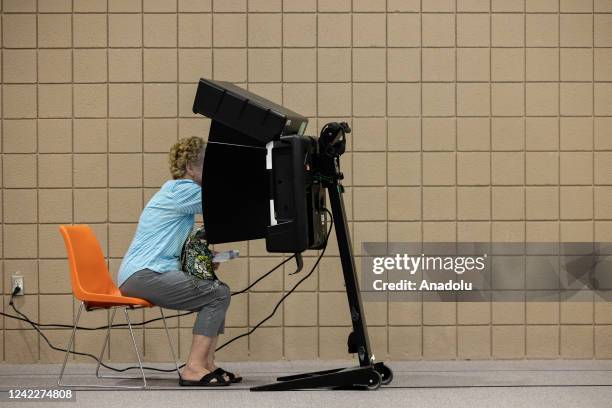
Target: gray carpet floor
531	383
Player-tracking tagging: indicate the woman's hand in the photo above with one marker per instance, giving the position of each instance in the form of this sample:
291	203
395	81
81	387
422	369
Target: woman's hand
215	264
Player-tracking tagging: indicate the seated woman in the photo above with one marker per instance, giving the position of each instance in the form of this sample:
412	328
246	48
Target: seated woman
151	268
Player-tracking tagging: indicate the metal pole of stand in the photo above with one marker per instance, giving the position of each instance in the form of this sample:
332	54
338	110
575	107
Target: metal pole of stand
360	337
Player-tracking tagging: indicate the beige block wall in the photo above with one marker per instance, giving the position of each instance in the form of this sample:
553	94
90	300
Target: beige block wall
472	120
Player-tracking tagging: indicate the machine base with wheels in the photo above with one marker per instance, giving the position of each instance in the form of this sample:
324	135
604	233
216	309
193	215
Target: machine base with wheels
370	377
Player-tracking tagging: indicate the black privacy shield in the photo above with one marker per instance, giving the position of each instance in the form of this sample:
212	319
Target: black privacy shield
234	187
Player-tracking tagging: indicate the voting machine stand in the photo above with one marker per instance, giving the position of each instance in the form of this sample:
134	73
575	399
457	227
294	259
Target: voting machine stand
281	198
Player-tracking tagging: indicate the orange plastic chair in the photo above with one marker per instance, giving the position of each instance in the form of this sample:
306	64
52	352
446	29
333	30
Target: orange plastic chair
93	286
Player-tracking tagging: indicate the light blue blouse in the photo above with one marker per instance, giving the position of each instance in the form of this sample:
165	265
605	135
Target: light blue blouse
164	224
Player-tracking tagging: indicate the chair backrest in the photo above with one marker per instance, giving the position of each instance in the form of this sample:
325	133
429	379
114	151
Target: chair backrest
88	271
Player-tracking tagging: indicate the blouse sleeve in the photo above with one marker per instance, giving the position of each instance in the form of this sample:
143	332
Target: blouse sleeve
188	198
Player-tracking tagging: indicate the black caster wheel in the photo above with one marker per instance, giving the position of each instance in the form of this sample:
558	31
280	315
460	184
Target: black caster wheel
375	380
385	372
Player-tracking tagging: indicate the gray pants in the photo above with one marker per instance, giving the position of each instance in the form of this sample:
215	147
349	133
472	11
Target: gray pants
180	291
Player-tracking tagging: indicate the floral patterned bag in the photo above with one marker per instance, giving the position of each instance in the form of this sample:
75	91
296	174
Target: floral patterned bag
196	257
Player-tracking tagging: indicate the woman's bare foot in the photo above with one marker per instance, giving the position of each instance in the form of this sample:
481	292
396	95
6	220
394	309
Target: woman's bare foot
195	373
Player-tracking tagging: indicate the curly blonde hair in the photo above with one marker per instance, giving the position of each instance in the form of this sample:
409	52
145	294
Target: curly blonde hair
184	151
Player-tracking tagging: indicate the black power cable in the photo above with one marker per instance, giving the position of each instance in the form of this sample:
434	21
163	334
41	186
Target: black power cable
288	293
248	333
37	325
146	321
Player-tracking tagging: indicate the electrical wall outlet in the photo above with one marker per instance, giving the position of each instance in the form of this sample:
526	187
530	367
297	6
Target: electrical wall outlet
17	280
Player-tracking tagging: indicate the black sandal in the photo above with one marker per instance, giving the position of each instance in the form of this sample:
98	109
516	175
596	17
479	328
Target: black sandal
232	377
206	381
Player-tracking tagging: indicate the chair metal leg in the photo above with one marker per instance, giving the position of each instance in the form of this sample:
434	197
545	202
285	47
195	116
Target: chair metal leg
170	342
70	343
98	375
128	377
110	324
59	380
127	318
100	359
120	377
